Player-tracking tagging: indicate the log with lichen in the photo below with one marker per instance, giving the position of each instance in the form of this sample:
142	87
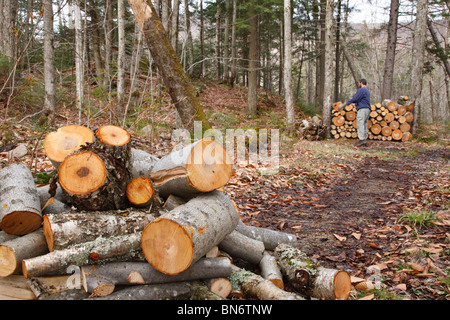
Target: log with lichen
309	278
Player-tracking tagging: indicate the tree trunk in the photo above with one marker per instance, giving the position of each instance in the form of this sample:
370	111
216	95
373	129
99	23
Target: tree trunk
226	43
309	278
253	66
200	167
329	66
255	286
165	58
233	44
142	163
288	94
102	279
217	44
173	35
270	270
20	207
49	66
102	250
65	230
238	245
95	25
96	176
418	49
390	52
79	59
12	252
62	142
121	60
190	43
179	238
270	238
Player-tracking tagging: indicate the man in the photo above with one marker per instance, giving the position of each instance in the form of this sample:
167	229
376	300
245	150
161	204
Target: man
362	101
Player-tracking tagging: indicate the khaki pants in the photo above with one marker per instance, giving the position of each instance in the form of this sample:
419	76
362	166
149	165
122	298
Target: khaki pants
361	123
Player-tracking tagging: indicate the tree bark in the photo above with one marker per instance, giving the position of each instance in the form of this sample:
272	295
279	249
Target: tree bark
121	59
253	65
79	59
309	278
200	167
390	51
100	279
288	94
270	238
270	270
12	252
49	66
20	207
65	230
179	238
238	245
329	66
101	250
165	58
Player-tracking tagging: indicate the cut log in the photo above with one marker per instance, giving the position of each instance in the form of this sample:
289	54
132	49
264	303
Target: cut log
6	237
219	286
401	110
172	202
142	163
255	286
373	114
45	286
15	287
140	191
182	236
386	131
53	206
311	279
101	250
200	167
376	129
350	115
65	230
20	207
409	116
96	177
410	107
389	117
406	136
338	121
101	279
45	193
405	127
397	134
14	251
65	140
238	245
113	135
270	238
392	106
394	125
270	270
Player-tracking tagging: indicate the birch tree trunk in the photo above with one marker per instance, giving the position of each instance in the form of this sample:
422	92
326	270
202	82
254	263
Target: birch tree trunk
418	49
329	65
79	58
49	59
288	95
386	89
121	58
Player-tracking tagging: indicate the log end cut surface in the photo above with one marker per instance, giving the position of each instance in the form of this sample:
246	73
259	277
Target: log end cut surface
140	190
343	285
113	135
66	140
21	222
82	173
8	262
209	166
48	233
167	246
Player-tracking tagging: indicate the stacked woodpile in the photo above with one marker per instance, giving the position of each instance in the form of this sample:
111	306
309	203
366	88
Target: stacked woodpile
312	128
388	121
119	223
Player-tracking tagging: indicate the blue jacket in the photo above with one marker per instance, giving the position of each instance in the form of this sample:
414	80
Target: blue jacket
361	98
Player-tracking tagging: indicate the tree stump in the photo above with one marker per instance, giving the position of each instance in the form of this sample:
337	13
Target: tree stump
200	167
180	237
20	207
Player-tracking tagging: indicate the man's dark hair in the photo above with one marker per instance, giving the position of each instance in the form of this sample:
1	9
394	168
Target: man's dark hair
363	81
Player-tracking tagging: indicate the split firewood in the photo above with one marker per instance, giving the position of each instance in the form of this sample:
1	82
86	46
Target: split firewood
44	286
180	237
311	279
101	250
65	230
12	252
142	163
270	238
96	177
255	286
59	144
238	245
20	207
100	280
270	270
15	287
200	167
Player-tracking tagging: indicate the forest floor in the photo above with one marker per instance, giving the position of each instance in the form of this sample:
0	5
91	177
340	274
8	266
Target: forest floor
382	212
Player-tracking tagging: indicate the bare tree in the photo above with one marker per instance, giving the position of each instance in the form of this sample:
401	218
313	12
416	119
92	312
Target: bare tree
49	63
386	89
329	65
253	65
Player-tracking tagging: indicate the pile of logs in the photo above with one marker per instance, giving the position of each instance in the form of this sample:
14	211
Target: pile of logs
118	223
312	129
388	121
